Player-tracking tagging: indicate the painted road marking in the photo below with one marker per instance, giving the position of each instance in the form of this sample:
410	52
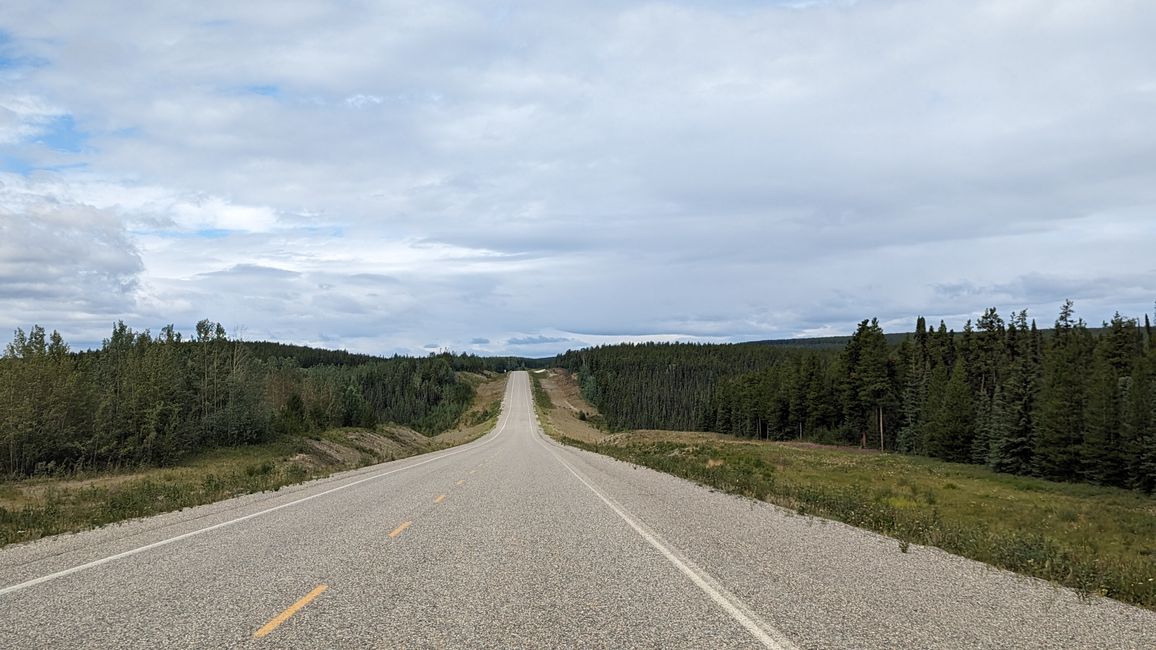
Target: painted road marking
293	609
400	529
439	498
473	471
461	482
762	631
223	524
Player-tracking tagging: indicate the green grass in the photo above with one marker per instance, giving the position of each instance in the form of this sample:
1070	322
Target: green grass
485	414
541	397
37	508
1096	540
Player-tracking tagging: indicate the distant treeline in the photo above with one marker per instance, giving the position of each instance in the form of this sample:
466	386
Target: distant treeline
1071	403
145	399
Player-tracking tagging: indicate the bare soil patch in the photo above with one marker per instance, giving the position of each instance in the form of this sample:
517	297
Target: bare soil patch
570	408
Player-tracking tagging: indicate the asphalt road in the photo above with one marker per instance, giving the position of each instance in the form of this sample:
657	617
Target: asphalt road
514	541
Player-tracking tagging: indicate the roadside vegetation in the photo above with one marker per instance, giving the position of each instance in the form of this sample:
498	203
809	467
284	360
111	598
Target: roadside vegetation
1071	403
144	400
1098	540
46	504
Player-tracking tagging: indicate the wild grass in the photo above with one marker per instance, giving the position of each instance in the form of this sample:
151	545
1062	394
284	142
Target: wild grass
484	414
36	508
43	506
541	397
1096	540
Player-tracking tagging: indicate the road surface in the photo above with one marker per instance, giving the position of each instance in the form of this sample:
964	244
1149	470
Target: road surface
516	542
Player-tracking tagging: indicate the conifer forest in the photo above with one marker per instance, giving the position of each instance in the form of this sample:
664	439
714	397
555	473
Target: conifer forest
1069	402
143	399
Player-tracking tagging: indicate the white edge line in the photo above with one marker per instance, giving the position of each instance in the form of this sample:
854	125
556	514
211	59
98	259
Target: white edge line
141	549
737	609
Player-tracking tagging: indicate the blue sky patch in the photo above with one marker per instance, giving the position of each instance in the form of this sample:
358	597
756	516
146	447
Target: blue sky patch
12	59
15	165
266	90
62	135
203	233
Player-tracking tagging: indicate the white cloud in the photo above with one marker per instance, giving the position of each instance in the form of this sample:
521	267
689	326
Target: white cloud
65	266
733	170
22	117
361	101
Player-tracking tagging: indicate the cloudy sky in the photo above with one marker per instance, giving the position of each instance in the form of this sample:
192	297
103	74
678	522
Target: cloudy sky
526	177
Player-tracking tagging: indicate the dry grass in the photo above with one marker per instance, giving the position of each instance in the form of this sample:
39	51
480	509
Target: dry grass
34	508
1098	540
483	412
570	413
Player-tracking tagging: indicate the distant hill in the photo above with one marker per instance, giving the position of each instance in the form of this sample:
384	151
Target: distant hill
823	342
839	342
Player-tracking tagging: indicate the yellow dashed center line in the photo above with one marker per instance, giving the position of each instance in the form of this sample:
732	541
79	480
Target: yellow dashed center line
400	529
439	498
293	609
461	482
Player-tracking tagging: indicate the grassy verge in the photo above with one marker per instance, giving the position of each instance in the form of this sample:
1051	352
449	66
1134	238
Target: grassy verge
543	406
541	397
35	508
1096	540
38	508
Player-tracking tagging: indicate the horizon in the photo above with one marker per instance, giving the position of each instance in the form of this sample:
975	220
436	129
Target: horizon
187	335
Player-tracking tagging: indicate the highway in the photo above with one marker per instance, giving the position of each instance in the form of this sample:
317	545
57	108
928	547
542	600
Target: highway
514	541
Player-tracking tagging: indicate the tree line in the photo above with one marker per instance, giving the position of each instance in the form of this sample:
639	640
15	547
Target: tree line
662	385
153	399
1069	403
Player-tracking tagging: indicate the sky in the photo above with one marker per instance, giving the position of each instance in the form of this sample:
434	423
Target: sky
529	177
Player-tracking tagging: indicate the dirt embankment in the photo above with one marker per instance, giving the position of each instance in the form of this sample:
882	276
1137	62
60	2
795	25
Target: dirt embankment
482	415
348	447
311	455
353	447
570	415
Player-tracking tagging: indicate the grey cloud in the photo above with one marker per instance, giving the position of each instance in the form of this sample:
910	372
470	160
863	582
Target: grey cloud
1097	297
701	169
537	340
62	262
373	279
254	272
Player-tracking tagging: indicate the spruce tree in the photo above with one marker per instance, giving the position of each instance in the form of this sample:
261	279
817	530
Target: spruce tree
1101	455
1012	431
953	425
915	392
1063	399
867	387
1117	353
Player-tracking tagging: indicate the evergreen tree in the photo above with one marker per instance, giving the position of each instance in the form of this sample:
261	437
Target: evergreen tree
1139	428
868	391
1116	355
915	391
953	424
1009	430
1063	399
